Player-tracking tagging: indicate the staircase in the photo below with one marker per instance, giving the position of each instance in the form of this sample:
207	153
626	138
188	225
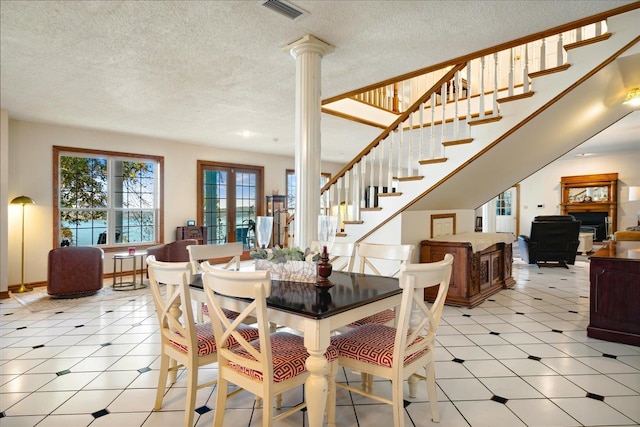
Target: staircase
456	136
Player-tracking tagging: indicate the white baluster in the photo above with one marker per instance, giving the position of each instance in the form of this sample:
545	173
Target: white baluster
400	153
468	98
372	178
456	102
432	131
410	158
525	70
495	84
543	54
347	178
421	153
598	28
559	53
511	72
356	192
390	162
380	160
339	197
443	133
482	87
363	173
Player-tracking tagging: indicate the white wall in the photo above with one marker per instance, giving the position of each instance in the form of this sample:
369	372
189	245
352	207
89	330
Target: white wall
543	188
411	228
30	173
4	196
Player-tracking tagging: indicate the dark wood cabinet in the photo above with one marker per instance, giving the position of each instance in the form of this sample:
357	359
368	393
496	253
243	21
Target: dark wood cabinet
614	313
192	232
475	275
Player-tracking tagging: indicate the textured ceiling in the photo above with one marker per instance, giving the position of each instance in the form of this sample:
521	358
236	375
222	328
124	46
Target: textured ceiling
203	71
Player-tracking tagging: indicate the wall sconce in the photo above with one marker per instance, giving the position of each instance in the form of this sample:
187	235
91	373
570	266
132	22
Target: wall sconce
22	200
633	98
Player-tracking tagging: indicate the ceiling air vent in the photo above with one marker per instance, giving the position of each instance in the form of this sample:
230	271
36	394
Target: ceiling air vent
283	8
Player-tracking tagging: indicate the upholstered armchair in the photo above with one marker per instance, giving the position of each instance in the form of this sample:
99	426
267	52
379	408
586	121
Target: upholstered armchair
75	271
172	252
553	241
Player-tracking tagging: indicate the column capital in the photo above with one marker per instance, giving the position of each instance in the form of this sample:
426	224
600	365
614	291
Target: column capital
309	43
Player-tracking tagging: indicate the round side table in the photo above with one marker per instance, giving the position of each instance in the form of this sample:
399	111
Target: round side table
118	283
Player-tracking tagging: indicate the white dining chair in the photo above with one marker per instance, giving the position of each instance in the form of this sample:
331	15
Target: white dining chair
228	254
399	353
267	366
341	256
189	344
368	254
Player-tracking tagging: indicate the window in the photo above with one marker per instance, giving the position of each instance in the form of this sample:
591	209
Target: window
291	188
503	204
106	198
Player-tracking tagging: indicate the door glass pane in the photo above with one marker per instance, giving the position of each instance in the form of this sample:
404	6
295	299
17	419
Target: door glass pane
215	205
246	208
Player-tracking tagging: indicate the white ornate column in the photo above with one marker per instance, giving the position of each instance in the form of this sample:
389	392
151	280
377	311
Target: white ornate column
308	52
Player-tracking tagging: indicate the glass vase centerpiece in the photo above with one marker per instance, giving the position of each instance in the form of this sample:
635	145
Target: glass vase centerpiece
264	228
287	264
327	228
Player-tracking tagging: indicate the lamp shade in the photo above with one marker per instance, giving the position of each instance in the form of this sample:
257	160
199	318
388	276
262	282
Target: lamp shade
634	194
23	200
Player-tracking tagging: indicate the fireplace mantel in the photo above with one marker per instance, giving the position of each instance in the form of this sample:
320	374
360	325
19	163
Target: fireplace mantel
591	193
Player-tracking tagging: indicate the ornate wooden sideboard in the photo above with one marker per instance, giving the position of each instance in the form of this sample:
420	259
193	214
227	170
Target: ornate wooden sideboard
614	272
479	270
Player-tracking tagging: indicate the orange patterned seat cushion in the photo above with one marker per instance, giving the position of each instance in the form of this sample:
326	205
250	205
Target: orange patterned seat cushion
230	314
381	318
373	344
207	342
289	355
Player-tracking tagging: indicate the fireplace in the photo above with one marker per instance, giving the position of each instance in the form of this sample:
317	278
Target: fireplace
593	222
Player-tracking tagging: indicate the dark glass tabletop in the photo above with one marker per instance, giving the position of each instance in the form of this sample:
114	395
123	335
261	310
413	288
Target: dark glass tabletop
349	290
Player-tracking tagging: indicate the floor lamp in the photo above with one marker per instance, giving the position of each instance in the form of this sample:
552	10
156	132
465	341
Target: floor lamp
22	200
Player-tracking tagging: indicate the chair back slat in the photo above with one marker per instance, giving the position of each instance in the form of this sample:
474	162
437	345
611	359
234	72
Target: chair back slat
256	285
418	323
229	252
341	256
374	251
174	310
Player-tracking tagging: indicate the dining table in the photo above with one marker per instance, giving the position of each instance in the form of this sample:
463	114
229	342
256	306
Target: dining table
317	311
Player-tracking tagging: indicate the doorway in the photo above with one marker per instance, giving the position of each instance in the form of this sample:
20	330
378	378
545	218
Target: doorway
230	198
503	212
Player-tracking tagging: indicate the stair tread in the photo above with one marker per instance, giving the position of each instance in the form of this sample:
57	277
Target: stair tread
409	178
549	71
485	120
515	97
431	161
457	142
588	41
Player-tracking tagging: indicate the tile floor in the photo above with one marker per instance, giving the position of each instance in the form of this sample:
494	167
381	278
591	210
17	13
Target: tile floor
521	358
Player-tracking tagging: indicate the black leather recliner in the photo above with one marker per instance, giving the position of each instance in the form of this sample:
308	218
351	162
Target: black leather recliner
553	241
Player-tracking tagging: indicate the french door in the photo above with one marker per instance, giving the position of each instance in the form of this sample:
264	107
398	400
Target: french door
230	198
506	211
